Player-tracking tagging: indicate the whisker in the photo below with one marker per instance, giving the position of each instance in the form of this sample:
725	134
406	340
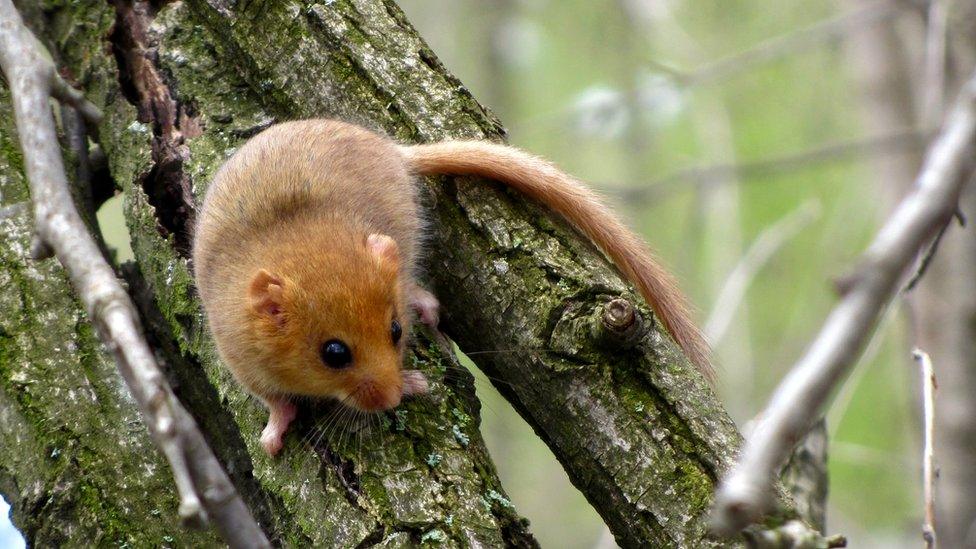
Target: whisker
359	438
456	373
340	427
507	351
333	420
319	423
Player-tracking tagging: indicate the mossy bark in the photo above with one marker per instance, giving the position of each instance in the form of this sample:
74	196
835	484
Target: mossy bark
637	428
76	462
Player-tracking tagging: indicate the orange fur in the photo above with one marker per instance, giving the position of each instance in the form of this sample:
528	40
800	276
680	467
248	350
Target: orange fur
544	183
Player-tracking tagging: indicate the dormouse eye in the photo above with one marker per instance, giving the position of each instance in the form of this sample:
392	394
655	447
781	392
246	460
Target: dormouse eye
335	354
395	331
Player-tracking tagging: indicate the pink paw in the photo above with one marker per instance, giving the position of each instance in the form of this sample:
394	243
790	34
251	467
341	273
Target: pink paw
414	382
271	441
426	305
282	412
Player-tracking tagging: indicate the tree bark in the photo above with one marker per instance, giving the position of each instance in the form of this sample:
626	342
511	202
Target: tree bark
182	85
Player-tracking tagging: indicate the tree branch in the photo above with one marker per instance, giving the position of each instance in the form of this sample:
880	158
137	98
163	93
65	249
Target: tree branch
802	39
746	493
661	187
205	491
627	422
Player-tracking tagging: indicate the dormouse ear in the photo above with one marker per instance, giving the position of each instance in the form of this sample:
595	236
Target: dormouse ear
267	296
383	249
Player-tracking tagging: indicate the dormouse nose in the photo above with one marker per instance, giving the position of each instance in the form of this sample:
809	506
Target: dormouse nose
375	397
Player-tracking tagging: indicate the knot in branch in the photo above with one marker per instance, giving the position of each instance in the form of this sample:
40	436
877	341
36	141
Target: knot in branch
621	325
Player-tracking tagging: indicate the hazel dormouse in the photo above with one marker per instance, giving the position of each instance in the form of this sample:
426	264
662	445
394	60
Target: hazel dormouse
305	255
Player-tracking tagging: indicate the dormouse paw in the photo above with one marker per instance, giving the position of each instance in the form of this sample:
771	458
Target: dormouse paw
414	382
271	441
282	412
426	305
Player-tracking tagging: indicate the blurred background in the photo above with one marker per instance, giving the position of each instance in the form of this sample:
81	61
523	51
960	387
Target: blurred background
758	145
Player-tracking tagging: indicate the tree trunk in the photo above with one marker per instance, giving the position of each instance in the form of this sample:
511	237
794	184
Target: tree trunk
182	84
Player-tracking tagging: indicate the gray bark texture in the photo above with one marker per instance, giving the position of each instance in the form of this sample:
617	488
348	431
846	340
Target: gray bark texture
181	85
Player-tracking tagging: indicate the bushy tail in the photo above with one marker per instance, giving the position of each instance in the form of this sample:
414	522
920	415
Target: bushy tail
546	184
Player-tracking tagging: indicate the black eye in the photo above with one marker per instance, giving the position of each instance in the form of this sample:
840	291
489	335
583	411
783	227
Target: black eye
335	354
395	332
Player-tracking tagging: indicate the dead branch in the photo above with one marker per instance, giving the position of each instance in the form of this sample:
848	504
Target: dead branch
844	149
793	42
928	471
205	491
747	491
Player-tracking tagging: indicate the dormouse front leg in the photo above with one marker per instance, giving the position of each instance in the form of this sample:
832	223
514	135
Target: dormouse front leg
414	382
282	412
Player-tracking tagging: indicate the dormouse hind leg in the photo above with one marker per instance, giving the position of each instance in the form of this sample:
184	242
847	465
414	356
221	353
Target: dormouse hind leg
282	411
426	305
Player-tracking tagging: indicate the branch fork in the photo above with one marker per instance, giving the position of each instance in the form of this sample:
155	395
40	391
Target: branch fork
747	492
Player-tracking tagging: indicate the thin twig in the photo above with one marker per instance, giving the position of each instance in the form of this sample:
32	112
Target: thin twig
788	44
827	152
747	491
204	489
774	48
806	38
845	395
66	94
923	264
762	250
928	471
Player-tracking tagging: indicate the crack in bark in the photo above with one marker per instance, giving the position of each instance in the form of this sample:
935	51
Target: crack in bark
144	84
344	470
374	538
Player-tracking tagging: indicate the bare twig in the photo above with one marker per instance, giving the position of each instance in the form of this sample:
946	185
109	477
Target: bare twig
775	48
928	472
204	488
787	44
66	94
828	152
747	491
845	395
762	250
923	264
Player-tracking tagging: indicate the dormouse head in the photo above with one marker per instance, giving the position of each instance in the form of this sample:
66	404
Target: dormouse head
333	322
